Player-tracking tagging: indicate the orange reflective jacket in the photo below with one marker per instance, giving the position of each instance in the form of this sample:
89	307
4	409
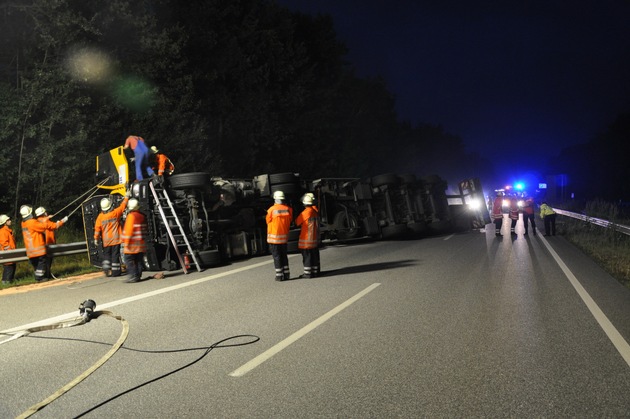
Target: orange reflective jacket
309	232
278	219
133	233
34	234
108	224
164	164
50	226
7	241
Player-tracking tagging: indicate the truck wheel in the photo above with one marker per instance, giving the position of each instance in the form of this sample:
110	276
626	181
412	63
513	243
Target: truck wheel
347	225
407	179
386	179
287	188
209	258
196	180
394	231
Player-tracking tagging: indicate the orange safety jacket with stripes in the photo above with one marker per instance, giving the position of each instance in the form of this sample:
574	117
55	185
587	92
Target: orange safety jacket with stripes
34	234
497	208
108	225
278	219
133	233
309	232
7	241
50	232
164	164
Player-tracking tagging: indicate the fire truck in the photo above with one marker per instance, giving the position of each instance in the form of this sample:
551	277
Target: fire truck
196	220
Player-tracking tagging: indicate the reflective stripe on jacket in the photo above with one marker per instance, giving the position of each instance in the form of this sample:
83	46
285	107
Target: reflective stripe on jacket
309	232
108	225
164	164
133	233
34	234
50	226
497	208
278	219
513	209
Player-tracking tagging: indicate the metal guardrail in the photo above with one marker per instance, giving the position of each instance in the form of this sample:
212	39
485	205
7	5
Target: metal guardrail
597	221
19	255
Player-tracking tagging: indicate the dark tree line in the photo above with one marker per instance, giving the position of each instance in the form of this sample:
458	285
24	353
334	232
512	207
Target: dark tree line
235	88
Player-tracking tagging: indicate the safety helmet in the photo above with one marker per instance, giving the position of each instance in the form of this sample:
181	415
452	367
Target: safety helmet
278	195
133	204
308	199
3	219
106	204
154	149
26	211
40	211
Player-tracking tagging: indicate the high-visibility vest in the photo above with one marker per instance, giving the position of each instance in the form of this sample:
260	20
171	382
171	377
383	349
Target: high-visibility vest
308	220
108	225
546	210
278	219
134	230
164	164
50	225
7	241
497	208
34	234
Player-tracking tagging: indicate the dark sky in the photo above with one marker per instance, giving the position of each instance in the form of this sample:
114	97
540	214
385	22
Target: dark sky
512	78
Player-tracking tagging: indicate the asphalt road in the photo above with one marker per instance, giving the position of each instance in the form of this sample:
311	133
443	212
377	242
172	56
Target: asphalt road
466	325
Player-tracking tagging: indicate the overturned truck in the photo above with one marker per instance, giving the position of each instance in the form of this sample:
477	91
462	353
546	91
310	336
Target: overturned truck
195	220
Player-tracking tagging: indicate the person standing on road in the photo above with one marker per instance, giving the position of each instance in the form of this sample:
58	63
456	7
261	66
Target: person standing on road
44	218
308	242
141	155
34	234
7	242
134	232
108	227
513	214
528	215
497	213
278	219
549	217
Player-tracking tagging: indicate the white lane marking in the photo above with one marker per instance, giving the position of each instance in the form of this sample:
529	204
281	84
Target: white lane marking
608	328
145	295
448	237
247	367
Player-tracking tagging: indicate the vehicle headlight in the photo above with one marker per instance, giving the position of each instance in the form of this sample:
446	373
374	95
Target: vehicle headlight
474	204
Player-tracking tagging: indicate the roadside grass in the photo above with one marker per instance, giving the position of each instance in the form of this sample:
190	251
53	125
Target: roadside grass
62	266
608	248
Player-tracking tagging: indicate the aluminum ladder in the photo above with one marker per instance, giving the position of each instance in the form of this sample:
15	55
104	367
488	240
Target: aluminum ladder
176	231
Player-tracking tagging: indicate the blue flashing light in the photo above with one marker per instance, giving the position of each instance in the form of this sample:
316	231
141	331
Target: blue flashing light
519	186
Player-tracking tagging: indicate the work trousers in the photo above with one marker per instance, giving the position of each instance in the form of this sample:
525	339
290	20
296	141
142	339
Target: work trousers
111	260
8	272
39	264
135	264
310	259
550	224
280	260
529	218
141	155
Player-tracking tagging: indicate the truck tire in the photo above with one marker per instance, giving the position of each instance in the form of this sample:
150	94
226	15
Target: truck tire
287	188
418	228
383	180
209	258
195	180
407	179
394	231
346	225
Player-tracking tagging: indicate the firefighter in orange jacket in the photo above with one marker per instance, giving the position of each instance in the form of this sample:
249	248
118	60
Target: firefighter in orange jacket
108	226
308	242
44	218
513	214
34	234
278	218
161	165
497	213
7	242
134	232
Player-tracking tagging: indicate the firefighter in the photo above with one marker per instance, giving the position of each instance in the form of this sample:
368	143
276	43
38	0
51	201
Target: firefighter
133	236
141	155
161	164
528	214
278	219
42	217
308	242
7	242
548	215
34	234
497	213
108	227
513	214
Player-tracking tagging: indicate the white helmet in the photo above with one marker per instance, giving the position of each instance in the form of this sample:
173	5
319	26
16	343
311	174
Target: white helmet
26	211
278	195
40	211
106	204
308	199
154	149
133	204
3	219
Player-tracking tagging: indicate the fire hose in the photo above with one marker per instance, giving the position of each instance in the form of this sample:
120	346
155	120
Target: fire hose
86	313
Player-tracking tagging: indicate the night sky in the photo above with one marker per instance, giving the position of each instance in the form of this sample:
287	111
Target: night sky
516	80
